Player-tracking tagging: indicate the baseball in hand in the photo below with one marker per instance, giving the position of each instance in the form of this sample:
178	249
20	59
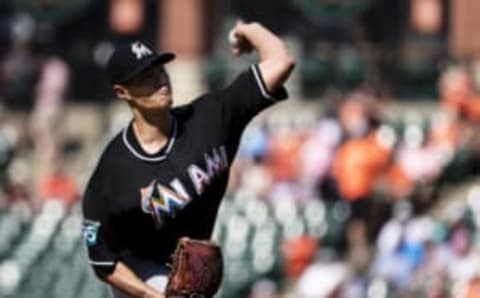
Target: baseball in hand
238	43
233	40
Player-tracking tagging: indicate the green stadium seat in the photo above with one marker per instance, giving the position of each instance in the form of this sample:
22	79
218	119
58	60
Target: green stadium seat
216	72
350	68
316	73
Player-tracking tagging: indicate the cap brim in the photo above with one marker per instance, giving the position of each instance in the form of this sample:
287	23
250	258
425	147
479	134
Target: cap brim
162	58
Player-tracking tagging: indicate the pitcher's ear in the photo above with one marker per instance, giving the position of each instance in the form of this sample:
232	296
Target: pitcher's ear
122	92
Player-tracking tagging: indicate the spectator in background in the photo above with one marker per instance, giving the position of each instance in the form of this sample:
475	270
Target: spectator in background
264	288
253	146
283	154
406	178
358	114
399	247
59	185
317	152
298	253
446	132
464	263
16	194
35	81
323	278
358	166
361	160
400	186
47	110
473	288
20	66
16	190
457	92
462	103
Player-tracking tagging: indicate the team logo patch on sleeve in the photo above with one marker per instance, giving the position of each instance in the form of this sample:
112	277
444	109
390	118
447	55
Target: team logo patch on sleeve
90	232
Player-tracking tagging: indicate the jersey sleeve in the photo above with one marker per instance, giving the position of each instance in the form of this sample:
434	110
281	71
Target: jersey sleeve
97	236
244	98
247	95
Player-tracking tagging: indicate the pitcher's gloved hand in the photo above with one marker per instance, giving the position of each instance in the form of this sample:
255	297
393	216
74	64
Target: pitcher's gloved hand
197	269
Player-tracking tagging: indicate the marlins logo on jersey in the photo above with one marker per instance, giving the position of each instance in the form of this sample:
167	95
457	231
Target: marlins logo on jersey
160	201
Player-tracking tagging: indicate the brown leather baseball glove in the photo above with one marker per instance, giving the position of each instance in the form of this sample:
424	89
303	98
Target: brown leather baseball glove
197	269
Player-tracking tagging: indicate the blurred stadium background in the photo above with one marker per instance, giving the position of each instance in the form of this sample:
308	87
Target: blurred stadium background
365	184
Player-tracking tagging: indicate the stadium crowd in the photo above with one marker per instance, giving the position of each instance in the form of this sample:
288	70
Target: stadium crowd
385	176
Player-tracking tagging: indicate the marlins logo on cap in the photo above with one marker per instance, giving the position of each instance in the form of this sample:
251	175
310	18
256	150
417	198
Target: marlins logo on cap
140	50
130	59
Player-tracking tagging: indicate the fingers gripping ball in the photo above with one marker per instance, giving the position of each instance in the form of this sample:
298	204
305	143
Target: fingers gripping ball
238	43
233	40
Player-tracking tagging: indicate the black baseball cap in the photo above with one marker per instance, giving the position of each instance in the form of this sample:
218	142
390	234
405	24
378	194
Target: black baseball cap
130	59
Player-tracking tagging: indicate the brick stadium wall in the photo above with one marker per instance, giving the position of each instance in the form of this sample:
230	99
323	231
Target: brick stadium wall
464	24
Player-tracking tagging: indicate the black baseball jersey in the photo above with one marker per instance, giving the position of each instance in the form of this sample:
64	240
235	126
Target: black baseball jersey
140	204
